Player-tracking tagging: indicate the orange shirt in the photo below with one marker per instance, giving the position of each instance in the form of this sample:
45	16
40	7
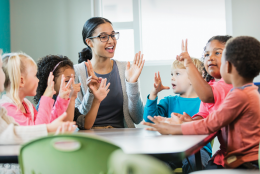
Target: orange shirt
239	116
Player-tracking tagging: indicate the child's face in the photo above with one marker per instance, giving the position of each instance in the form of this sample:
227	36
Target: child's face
224	69
180	81
212	58
2	76
67	74
30	80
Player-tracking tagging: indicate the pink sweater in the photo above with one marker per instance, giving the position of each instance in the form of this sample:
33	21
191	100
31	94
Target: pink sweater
239	117
220	90
47	113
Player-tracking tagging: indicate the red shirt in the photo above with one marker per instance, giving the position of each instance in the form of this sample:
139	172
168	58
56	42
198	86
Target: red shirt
239	118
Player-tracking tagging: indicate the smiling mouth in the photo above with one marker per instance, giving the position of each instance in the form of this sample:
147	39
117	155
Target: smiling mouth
173	86
211	65
110	49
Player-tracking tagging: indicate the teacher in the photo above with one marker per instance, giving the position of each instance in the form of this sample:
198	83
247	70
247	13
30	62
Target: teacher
123	105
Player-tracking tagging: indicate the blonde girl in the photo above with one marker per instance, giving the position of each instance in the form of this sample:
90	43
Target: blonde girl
21	81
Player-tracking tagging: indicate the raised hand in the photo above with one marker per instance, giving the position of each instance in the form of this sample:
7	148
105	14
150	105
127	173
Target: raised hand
133	72
49	91
65	89
102	92
158	86
59	126
92	80
75	88
91	70
184	56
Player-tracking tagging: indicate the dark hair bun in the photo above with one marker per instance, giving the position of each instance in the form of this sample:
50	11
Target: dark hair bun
85	54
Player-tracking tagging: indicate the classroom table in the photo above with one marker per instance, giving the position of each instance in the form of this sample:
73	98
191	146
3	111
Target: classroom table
136	141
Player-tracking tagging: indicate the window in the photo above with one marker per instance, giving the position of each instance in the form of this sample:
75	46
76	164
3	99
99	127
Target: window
166	22
157	27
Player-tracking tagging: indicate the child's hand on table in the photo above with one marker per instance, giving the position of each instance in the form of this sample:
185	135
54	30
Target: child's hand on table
182	118
162	127
59	126
158	86
184	56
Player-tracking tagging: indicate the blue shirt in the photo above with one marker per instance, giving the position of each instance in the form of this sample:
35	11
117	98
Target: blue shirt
110	111
172	104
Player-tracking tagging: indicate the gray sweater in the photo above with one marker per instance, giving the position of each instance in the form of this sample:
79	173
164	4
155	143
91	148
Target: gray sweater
132	103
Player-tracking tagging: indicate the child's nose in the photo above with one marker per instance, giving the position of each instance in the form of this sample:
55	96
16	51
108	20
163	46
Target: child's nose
211	57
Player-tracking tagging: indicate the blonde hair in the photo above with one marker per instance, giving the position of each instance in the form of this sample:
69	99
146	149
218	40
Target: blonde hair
180	65
14	66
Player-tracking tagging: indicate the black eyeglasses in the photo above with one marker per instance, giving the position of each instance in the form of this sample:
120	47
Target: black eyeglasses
105	37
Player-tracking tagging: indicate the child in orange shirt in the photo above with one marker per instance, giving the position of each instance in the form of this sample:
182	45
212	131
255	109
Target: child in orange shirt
238	114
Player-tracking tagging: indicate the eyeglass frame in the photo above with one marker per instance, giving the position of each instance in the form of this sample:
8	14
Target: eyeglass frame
107	35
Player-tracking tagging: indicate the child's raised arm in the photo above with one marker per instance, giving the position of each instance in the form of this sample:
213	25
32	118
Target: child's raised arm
201	87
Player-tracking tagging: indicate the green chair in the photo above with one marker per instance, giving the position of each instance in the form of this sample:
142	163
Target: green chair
121	163
66	154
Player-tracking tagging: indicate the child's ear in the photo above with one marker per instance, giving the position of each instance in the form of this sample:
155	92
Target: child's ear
22	82
228	67
89	42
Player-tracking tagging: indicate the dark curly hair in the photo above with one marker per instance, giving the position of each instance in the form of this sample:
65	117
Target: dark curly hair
222	39
244	53
45	66
87	31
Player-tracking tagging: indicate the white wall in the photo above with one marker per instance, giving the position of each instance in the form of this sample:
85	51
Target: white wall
46	27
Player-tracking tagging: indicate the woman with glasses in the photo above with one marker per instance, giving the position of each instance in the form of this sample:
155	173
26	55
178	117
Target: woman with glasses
123	105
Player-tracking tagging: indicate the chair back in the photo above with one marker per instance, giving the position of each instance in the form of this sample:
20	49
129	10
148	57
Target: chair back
64	154
121	163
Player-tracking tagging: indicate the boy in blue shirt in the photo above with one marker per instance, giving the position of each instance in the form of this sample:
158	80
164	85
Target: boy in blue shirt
185	100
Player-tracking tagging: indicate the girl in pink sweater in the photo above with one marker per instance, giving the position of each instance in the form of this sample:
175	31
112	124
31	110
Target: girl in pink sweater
21	81
238	115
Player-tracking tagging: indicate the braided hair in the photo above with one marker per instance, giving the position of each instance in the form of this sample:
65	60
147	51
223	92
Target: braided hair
45	66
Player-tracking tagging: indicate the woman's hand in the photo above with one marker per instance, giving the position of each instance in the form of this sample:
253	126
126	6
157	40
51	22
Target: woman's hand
158	86
49	91
132	73
184	56
92	80
59	126
100	93
65	89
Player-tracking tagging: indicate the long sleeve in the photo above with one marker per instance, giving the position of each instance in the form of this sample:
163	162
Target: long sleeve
12	133
59	108
85	104
202	111
45	108
135	104
152	109
231	108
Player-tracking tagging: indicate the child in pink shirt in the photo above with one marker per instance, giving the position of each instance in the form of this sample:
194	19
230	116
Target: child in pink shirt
21	81
238	115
